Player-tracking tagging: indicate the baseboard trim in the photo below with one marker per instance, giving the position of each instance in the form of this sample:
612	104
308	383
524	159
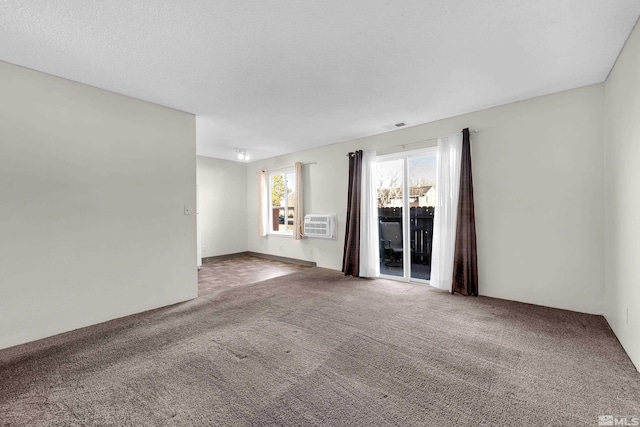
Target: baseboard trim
225	256
282	258
259	255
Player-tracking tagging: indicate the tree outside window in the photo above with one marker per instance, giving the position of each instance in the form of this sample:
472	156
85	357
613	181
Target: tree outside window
282	203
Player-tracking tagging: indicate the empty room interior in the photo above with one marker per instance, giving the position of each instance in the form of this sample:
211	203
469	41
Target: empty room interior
418	213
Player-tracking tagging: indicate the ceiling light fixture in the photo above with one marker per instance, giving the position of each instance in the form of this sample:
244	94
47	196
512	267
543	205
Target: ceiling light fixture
242	154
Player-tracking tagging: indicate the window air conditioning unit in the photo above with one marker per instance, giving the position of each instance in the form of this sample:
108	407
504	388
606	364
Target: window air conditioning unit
323	226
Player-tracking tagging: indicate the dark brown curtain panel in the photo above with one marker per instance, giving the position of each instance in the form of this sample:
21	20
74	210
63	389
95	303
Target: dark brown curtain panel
465	260
351	255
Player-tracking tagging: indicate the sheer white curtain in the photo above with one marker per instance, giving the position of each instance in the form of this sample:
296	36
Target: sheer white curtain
369	241
262	204
446	211
298	212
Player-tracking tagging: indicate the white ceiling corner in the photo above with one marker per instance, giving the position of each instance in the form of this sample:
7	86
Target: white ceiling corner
276	77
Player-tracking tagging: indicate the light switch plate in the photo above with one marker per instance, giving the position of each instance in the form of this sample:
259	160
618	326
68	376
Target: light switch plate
187	210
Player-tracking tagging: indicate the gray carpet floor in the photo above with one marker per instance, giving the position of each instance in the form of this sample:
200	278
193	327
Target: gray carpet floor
317	348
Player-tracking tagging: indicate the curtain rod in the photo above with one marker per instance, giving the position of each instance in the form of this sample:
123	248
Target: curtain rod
403	146
284	167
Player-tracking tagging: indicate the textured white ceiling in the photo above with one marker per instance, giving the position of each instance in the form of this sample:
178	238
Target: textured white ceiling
280	76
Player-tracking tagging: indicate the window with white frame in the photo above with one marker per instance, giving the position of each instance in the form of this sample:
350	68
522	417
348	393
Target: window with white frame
282	197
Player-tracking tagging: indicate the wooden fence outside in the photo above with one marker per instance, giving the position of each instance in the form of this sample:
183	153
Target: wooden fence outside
420	232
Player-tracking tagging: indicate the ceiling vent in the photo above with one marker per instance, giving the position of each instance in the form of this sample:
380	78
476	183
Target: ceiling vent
393	126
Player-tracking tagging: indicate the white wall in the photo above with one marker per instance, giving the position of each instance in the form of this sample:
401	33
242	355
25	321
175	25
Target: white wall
92	188
223	206
538	175
622	208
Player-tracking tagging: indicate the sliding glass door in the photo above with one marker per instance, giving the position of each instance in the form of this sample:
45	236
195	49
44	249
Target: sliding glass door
406	186
391	205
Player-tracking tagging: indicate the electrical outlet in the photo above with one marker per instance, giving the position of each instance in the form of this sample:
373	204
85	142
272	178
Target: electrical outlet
187	210
204	248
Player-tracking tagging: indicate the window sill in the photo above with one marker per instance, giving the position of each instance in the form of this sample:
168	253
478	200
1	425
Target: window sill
290	235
